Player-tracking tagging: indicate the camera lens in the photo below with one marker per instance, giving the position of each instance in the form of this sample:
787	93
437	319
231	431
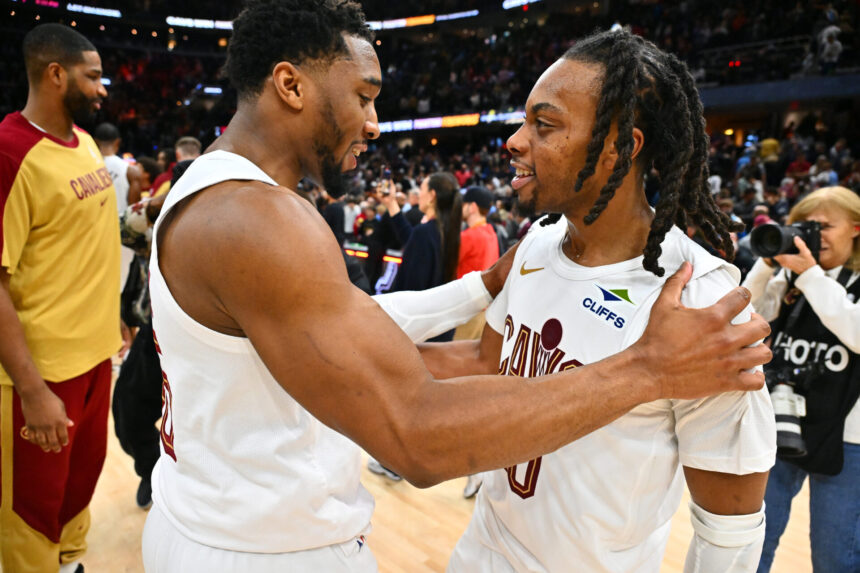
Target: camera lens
771	240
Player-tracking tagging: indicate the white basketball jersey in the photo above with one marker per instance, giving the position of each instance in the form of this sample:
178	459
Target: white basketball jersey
243	466
604	502
118	170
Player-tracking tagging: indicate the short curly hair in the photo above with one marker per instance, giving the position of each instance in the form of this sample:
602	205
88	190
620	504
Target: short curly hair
270	31
48	43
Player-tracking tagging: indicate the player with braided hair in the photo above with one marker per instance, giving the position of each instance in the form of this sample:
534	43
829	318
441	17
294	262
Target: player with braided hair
610	110
668	112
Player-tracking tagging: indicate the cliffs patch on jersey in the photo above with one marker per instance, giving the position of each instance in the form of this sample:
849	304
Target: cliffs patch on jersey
600	305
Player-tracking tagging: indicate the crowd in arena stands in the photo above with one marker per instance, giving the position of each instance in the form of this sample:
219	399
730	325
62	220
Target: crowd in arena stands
756	183
759	183
155	96
695	30
481	71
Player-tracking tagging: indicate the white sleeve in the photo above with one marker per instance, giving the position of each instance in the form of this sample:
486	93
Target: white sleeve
766	289
428	313
497	312
724	543
733	432
831	304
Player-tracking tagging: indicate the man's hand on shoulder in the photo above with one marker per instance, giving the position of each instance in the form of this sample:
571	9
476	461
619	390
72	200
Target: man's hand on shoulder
692	353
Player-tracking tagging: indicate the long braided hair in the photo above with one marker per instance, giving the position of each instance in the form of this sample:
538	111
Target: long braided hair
653	91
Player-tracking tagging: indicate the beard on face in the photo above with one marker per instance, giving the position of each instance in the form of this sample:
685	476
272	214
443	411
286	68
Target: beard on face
79	106
333	179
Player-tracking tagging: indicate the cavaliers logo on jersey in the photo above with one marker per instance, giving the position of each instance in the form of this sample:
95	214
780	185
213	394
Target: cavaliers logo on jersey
534	353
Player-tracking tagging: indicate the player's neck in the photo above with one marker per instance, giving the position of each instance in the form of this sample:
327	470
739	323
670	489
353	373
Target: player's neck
49	116
246	135
476	221
619	234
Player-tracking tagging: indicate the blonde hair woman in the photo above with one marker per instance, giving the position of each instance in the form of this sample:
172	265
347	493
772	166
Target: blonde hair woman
816	322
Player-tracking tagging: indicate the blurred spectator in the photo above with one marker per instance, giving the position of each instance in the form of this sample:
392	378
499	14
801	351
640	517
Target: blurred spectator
333	213
479	245
777	205
831	49
150	173
413	214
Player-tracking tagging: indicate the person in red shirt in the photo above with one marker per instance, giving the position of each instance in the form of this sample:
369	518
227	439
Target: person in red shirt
463	175
799	168
479	245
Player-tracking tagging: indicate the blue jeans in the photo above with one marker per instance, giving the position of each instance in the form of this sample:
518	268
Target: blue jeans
834	513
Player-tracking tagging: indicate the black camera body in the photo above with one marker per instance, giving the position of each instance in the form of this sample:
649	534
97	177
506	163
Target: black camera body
790	406
772	239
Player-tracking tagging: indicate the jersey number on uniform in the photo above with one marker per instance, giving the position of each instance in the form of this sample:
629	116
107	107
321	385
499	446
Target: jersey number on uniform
167	417
534	353
527	487
166	409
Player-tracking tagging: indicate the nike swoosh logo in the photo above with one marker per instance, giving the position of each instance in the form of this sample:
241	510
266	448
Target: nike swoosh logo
524	271
103	201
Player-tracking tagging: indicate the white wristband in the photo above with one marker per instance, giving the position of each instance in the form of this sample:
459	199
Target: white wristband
428	313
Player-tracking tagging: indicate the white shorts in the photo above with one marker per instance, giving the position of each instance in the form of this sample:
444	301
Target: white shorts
486	546
166	550
473	555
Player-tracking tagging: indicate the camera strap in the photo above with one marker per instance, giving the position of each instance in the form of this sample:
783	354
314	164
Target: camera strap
792	305
787	318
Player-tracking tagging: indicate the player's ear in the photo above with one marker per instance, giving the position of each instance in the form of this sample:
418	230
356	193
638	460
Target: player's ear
289	84
56	74
609	155
638	142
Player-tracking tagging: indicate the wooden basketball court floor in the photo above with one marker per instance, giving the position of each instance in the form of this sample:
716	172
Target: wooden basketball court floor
414	530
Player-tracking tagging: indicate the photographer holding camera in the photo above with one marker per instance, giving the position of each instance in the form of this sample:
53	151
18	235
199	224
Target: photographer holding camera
812	301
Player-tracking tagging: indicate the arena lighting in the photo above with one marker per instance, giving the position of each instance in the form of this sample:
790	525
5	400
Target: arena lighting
506	117
465	120
390	259
212	90
199	23
419	20
357	254
461	120
457	15
106	81
94	11
508	4
427	123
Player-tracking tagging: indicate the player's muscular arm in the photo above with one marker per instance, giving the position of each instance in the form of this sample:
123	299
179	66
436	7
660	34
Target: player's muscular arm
135	178
270	263
726	494
463	357
44	412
